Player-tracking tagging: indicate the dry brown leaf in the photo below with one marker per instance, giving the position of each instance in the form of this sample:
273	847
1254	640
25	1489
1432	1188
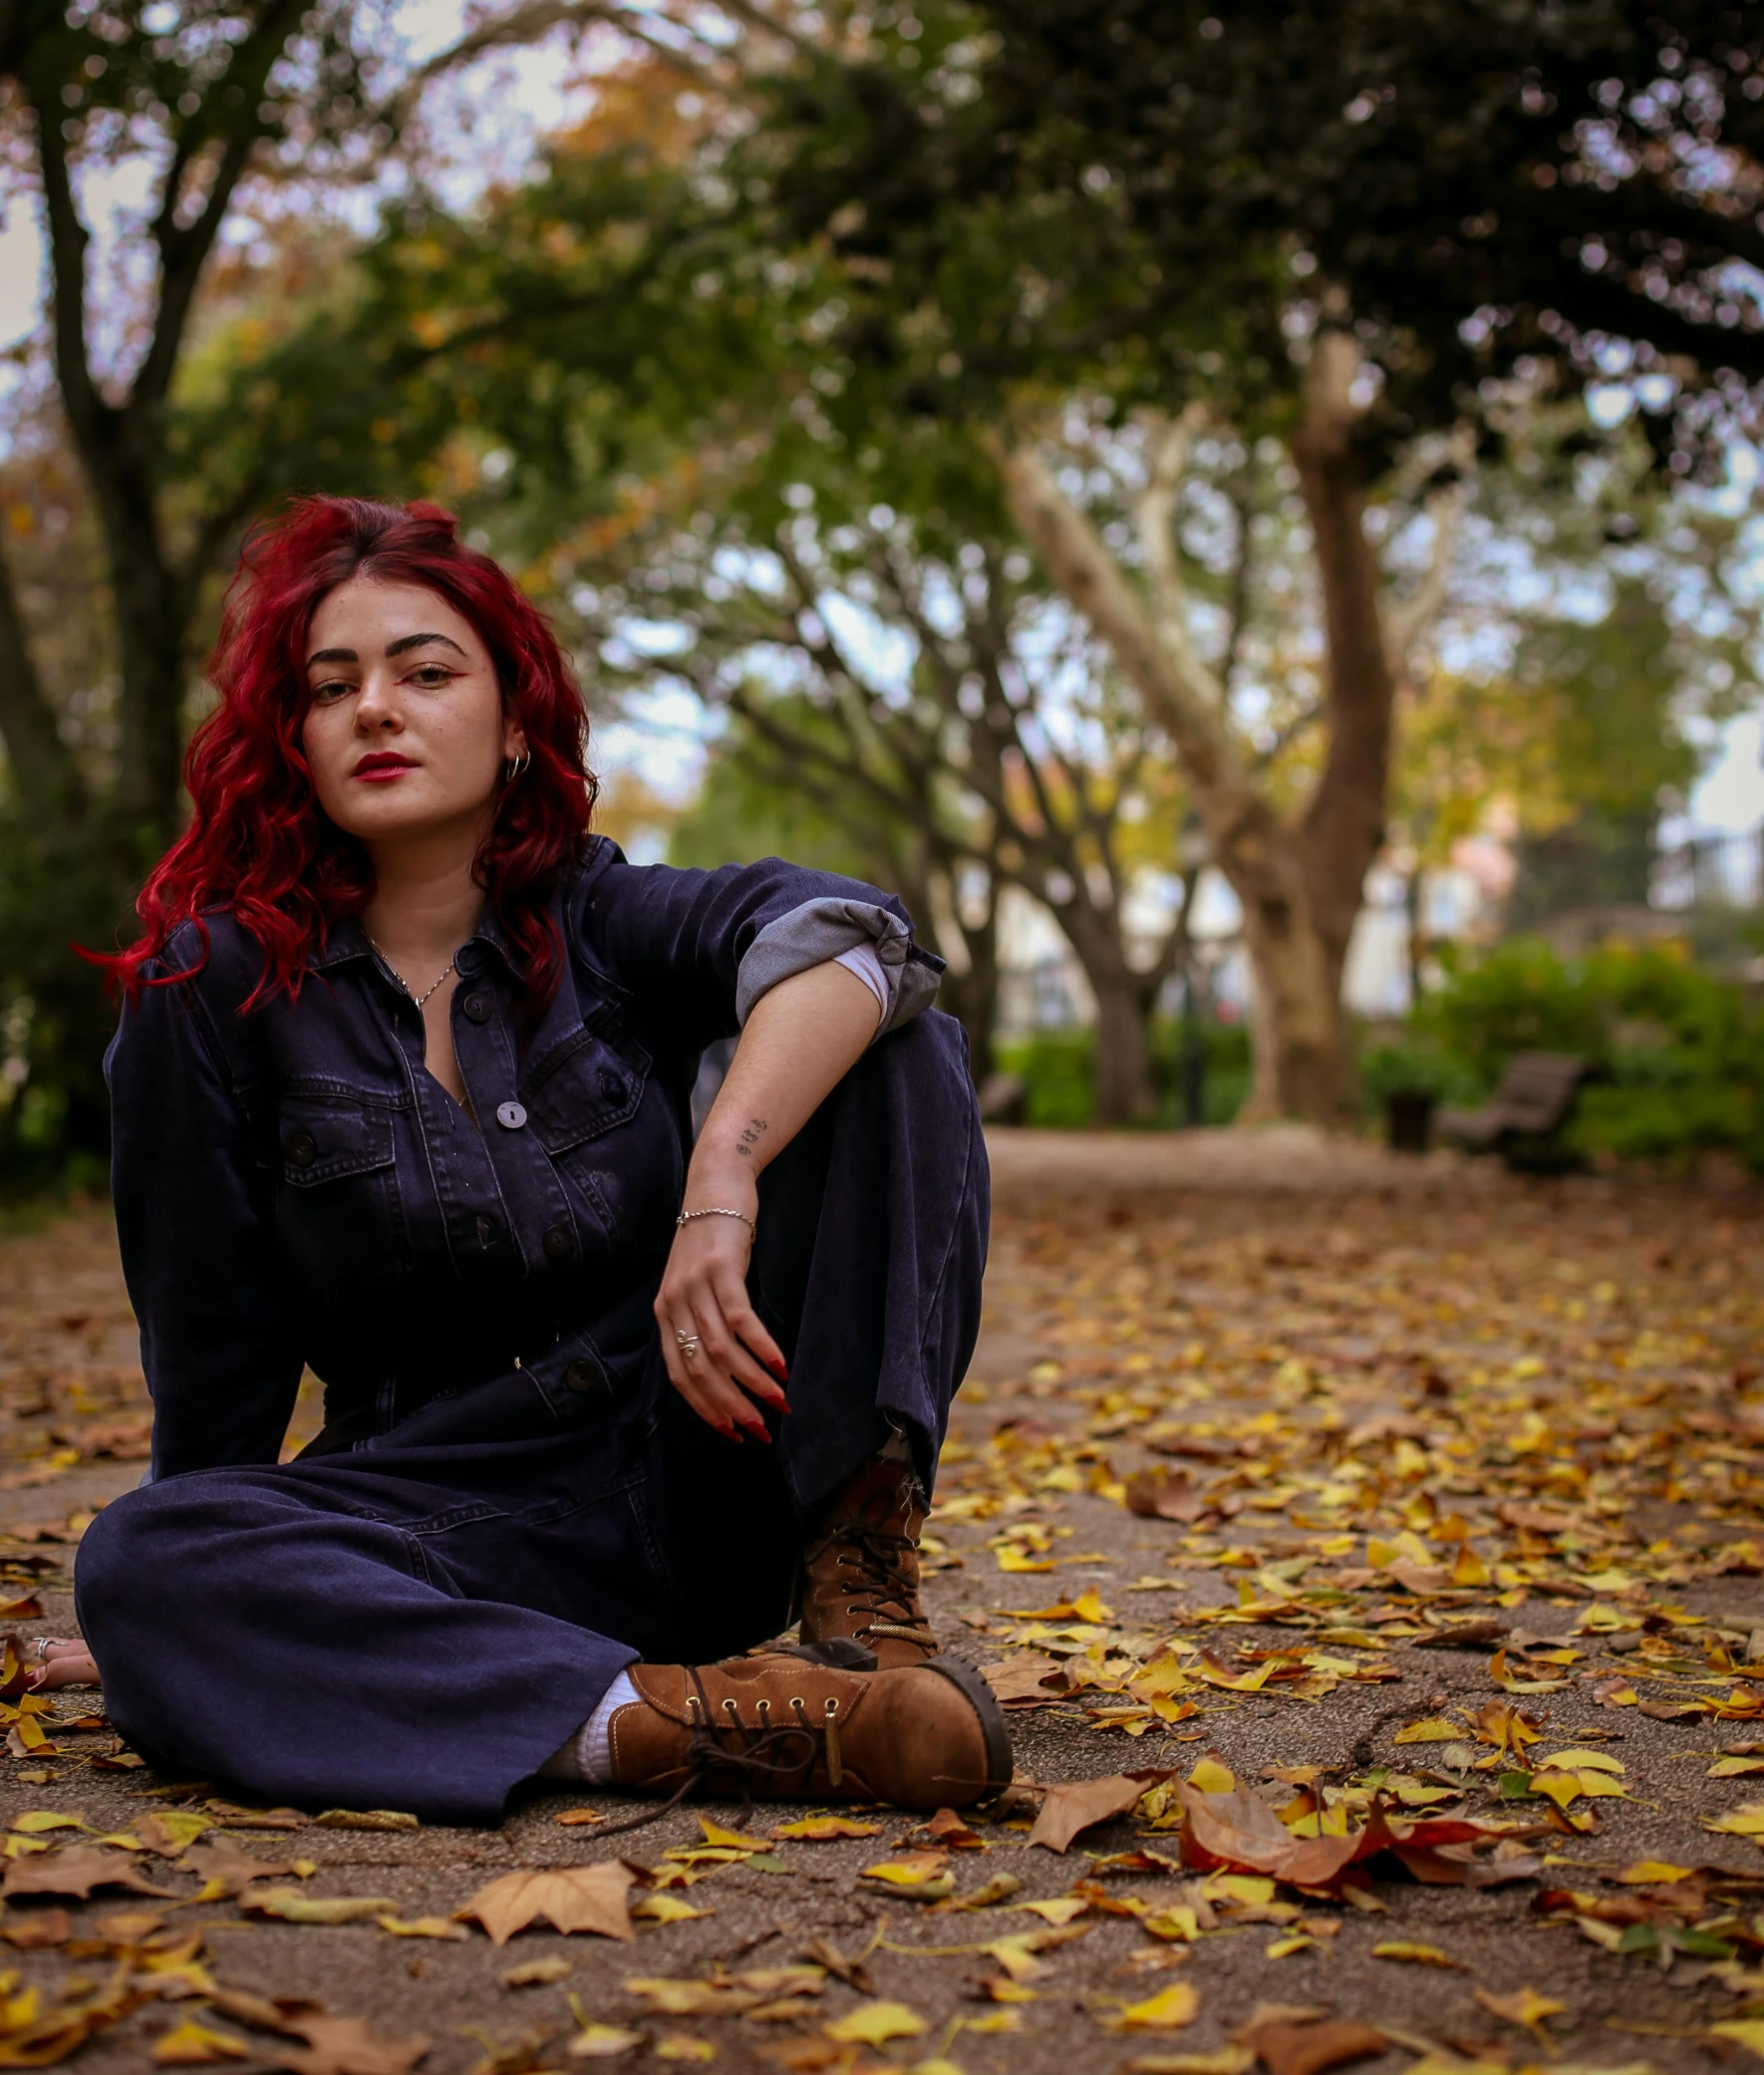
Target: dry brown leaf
1077	1805
822	1952
571	1897
1239	1830
344	2046
75	1871
227	1867
1307	2048
1166	1495
1030	1680
41	1928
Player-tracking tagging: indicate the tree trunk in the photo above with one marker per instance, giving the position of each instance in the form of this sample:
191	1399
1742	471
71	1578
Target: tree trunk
973	997
1123	1084
1125	1092
152	628
1301	1042
1299	886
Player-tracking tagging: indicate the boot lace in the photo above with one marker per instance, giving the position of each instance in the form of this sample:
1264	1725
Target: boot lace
883	1592
772	1752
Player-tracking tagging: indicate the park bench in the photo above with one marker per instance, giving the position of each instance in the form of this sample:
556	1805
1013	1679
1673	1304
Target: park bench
1524	1119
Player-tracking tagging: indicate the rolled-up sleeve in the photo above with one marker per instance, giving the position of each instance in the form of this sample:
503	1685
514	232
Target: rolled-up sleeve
826	929
699	948
217	1344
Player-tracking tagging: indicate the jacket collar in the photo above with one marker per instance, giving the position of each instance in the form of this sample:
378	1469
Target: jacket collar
348	940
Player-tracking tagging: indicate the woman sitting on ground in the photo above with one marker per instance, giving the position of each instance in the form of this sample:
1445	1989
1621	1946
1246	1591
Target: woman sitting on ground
401	1093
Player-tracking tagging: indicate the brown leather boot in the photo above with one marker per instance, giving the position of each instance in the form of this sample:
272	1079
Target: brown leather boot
860	1567
782	1728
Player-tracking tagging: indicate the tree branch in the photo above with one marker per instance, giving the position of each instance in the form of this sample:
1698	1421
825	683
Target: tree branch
1185	703
1155	520
68	241
1405	624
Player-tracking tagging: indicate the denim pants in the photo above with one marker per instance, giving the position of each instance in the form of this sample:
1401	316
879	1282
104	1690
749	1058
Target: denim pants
421	1621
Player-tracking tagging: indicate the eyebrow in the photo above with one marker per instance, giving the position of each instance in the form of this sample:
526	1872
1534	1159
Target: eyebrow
401	647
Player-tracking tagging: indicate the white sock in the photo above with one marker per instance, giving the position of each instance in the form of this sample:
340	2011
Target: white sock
587	1755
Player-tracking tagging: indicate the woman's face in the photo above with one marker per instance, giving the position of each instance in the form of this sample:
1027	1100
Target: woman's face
406	733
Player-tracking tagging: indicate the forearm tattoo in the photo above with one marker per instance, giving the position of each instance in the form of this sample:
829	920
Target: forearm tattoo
750	1135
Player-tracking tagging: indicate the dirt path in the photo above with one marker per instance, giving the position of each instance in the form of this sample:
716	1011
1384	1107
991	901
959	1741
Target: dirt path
1372	1408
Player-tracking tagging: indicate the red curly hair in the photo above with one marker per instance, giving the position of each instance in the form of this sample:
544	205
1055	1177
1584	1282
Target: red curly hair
258	842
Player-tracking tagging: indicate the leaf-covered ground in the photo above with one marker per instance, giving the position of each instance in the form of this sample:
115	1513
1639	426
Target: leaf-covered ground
1402	1535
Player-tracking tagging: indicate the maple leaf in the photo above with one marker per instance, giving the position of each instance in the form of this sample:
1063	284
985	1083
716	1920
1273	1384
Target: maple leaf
1032	1679
75	1871
570	1897
344	2046
1309	2045
1075	1806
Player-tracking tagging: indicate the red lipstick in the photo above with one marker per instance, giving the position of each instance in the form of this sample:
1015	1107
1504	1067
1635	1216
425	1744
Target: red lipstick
383	764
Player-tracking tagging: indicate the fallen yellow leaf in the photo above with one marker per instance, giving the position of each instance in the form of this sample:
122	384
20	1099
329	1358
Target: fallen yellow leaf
194	2045
1417	1955
873	2024
1524	2006
1167	2011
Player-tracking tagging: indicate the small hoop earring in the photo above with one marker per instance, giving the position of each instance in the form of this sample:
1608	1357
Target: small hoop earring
513	766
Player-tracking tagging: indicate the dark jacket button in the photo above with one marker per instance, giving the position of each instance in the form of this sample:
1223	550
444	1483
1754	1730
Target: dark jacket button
611	1086
303	1150
558	1243
477	1008
510	1115
581	1375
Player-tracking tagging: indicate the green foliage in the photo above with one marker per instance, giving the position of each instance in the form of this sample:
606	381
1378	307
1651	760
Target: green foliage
1432	159
1058	1069
1391	1069
60	886
1678	1055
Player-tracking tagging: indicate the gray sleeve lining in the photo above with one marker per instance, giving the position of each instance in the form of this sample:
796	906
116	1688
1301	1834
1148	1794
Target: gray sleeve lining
821	930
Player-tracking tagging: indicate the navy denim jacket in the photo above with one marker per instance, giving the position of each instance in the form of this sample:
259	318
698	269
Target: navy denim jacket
292	1187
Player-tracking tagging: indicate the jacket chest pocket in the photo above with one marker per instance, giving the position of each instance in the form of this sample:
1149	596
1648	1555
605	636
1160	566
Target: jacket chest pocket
325	1141
586	1087
337	1205
586	1107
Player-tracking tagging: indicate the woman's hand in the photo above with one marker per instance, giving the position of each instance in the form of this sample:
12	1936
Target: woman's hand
704	1293
65	1662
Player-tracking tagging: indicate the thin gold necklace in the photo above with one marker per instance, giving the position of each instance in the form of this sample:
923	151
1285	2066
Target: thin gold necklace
400	978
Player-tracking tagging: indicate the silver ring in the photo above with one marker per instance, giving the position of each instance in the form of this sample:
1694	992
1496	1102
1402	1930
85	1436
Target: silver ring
43	1643
689	1345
